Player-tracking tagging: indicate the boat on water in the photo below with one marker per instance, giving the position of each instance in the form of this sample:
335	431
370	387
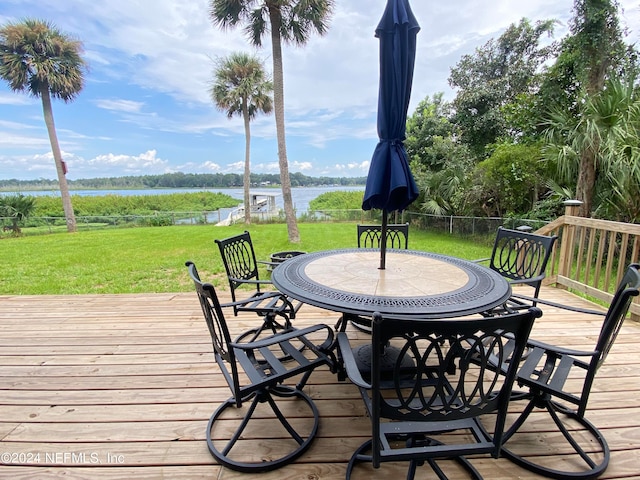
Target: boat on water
262	205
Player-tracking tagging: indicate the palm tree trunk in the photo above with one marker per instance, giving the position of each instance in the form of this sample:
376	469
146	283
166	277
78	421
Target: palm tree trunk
247	163
278	103
57	157
585	185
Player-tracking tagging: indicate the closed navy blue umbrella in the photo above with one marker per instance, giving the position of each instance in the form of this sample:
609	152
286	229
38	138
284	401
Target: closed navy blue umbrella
390	185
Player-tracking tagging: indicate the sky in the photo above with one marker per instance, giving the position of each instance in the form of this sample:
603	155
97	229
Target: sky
145	107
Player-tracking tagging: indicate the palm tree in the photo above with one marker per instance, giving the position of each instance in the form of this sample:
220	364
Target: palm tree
241	87
607	124
593	52
18	208
35	56
288	21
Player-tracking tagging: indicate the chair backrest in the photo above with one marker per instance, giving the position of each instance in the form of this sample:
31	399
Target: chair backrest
519	255
397	236
218	329
627	289
239	260
451	377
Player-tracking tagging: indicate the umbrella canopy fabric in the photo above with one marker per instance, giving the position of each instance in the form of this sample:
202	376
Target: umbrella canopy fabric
390	185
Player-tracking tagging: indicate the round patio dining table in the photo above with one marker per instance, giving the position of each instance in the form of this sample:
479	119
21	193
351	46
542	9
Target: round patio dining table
414	284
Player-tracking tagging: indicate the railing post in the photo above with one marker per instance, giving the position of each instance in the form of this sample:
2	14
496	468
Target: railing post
566	243
571	207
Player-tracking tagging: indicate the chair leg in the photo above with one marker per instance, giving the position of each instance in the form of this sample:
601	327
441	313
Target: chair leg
359	456
593	462
433	462
265	396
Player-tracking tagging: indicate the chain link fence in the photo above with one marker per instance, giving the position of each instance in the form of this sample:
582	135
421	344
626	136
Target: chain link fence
450	224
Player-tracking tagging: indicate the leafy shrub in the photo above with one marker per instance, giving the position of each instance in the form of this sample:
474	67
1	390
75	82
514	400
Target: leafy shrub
340	200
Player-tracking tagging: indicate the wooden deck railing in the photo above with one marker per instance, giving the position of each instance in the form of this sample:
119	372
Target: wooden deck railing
591	255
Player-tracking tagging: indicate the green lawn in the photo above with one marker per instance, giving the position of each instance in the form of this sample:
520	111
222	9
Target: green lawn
151	259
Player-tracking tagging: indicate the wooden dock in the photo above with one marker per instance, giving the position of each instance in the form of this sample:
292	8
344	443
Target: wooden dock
122	386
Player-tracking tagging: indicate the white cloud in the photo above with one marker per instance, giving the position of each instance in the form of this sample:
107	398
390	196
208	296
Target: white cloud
301	166
10	140
120	105
16	99
210	167
352	169
20	167
271	167
234	167
111	164
362	166
145	159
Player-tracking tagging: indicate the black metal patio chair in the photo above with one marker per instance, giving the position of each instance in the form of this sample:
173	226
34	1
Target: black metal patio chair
521	257
550	374
397	236
439	381
369	237
256	378
251	294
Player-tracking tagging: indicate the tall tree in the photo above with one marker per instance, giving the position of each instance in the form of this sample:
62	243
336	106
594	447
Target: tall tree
288	21
241	87
35	56
606	125
439	162
594	50
428	124
494	76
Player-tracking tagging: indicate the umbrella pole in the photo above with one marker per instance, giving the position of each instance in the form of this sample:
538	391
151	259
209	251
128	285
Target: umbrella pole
383	241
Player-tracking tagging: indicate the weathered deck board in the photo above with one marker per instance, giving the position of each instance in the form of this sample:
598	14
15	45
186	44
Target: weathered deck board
122	386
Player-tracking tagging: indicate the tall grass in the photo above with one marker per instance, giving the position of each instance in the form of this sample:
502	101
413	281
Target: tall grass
149	259
85	205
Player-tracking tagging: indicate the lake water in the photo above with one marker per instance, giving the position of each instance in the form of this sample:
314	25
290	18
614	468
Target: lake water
301	195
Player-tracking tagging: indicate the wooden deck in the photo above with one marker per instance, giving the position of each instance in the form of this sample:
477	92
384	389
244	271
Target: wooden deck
122	386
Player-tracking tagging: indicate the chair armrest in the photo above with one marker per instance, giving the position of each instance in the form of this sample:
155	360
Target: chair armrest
559	305
291	334
527	281
350	362
480	260
251	282
262	296
266	262
560	350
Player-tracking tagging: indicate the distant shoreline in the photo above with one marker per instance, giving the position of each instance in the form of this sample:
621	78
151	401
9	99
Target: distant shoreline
13	189
178	181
